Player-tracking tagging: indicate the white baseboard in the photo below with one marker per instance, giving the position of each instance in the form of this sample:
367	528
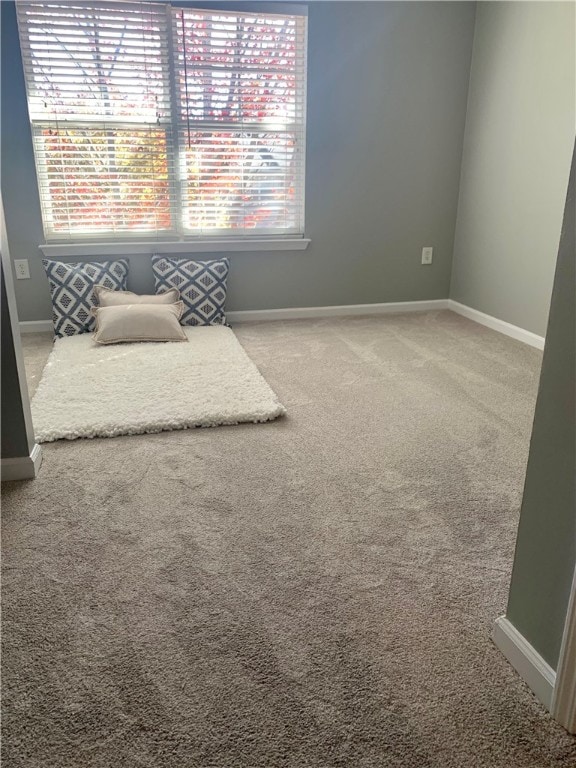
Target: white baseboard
536	673
497	325
36	326
293	313
302	313
23	467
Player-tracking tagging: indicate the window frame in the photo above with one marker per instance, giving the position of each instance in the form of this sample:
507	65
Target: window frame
179	239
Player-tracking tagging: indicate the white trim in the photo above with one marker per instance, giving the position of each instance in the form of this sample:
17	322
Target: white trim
301	313
23	467
36	326
532	668
293	313
496	324
178	246
564	699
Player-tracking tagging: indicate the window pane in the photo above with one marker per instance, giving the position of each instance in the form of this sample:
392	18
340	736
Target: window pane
239	180
220	39
240	87
237	68
103	180
95	61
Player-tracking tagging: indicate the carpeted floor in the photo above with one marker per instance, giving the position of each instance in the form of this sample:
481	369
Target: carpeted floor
317	592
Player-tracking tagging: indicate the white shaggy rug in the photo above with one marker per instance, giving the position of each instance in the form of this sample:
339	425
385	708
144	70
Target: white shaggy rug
88	390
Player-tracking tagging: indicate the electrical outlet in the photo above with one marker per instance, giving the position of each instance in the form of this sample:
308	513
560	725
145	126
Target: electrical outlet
21	268
427	255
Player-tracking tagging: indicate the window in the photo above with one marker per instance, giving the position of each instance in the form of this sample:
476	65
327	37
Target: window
176	122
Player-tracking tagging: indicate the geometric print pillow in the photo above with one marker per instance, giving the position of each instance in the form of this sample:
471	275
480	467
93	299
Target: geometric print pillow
72	289
202	286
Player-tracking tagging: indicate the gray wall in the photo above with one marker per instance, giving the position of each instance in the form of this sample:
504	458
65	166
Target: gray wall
546	546
14	438
386	111
517	147
17	438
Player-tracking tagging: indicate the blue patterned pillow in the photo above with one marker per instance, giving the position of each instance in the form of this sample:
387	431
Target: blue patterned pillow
72	289
202	286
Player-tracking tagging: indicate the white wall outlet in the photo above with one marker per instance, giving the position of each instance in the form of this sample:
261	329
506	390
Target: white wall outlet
427	255
21	268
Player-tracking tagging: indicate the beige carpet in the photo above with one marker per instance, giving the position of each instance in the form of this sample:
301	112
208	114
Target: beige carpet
316	592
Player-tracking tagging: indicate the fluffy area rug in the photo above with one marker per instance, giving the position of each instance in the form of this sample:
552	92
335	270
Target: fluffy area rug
88	390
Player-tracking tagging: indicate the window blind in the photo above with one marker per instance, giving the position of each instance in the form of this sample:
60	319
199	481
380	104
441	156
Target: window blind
155	120
240	114
97	79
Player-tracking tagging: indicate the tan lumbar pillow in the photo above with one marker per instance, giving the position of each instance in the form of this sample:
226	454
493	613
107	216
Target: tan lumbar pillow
139	322
109	298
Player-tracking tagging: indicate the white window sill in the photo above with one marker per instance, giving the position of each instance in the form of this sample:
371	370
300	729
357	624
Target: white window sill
190	246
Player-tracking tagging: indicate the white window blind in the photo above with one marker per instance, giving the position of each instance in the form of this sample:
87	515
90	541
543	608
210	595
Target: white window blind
155	120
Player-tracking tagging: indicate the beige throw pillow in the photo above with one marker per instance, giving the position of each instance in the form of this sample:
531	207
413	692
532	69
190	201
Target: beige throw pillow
109	298
139	322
